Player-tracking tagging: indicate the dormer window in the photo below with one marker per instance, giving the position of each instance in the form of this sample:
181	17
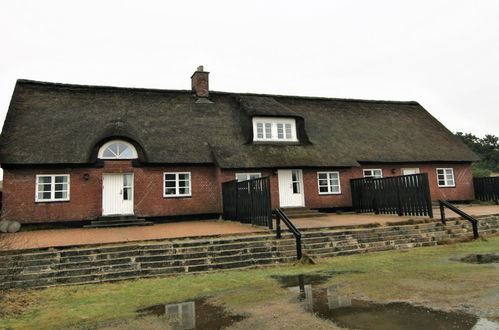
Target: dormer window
274	129
117	149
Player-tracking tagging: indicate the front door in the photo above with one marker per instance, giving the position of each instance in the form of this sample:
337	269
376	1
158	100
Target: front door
117	194
291	188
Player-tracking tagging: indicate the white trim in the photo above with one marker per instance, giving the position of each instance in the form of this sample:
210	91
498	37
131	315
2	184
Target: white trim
446	185
248	175
372	170
274	122
415	169
52	188
329	192
177	187
107	144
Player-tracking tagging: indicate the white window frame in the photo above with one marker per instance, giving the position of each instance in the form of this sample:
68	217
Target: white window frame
329	187
274	122
372	171
446	183
177	186
248	175
52	188
107	144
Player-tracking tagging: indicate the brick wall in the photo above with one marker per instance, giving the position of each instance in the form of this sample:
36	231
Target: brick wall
86	195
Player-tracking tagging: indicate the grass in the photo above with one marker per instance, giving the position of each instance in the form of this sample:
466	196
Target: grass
426	275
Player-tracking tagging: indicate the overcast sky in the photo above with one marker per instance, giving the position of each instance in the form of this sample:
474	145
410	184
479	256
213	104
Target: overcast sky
443	54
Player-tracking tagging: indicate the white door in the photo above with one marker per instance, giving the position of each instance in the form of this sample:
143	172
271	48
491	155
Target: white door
409	171
117	194
290	188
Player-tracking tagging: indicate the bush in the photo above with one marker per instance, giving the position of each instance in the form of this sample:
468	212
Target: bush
481	173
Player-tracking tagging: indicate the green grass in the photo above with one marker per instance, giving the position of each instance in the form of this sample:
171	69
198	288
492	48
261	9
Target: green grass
424	275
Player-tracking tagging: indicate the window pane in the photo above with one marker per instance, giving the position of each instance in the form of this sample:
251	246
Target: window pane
44	179
335	189
127	194
259	130
322	175
170	191
440	171
183	191
44	187
288	132
108	154
183	176
60	187
280	131
46	195
254	176
322	182
61	179
58	195
183	183
126	153
441	182
323	189
268	130
127	180
170	177
296	188
294	175
241	177
170	184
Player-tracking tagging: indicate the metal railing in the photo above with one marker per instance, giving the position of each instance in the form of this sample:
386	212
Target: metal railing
474	222
280	215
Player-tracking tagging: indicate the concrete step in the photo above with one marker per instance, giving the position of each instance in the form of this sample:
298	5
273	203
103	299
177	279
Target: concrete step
118	221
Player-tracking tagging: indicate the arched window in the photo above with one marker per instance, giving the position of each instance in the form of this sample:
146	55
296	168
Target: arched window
117	149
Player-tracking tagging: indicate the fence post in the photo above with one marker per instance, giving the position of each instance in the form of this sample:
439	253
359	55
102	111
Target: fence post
442	212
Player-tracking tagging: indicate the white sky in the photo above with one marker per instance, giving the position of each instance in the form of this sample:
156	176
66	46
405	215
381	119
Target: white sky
443	54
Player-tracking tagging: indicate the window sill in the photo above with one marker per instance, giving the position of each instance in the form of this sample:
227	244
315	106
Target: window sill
330	194
174	197
52	201
447	186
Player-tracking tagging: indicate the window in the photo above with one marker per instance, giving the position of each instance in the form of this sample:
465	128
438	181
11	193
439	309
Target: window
329	183
373	173
274	129
410	171
296	181
177	184
445	177
247	176
117	149
52	188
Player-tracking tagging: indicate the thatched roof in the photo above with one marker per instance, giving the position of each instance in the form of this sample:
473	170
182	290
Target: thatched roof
50	123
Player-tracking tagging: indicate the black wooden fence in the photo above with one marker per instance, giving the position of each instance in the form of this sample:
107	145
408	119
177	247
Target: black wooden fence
486	189
248	201
402	195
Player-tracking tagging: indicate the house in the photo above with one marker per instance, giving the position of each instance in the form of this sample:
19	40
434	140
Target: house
72	152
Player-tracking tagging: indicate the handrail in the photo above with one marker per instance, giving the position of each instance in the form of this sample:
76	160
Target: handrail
474	222
280	215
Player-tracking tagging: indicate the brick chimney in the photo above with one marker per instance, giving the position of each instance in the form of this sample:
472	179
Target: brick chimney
199	83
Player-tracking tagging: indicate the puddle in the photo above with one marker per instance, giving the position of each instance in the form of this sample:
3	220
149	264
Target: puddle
196	314
481	258
288	281
328	303
358	314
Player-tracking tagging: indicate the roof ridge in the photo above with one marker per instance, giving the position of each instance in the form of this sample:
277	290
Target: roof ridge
159	90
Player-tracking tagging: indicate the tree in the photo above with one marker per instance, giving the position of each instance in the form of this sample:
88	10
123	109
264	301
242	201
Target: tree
487	148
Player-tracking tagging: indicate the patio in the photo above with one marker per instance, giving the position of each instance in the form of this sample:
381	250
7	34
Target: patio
74	237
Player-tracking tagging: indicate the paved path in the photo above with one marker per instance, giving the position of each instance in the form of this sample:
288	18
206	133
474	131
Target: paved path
69	237
356	219
83	236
